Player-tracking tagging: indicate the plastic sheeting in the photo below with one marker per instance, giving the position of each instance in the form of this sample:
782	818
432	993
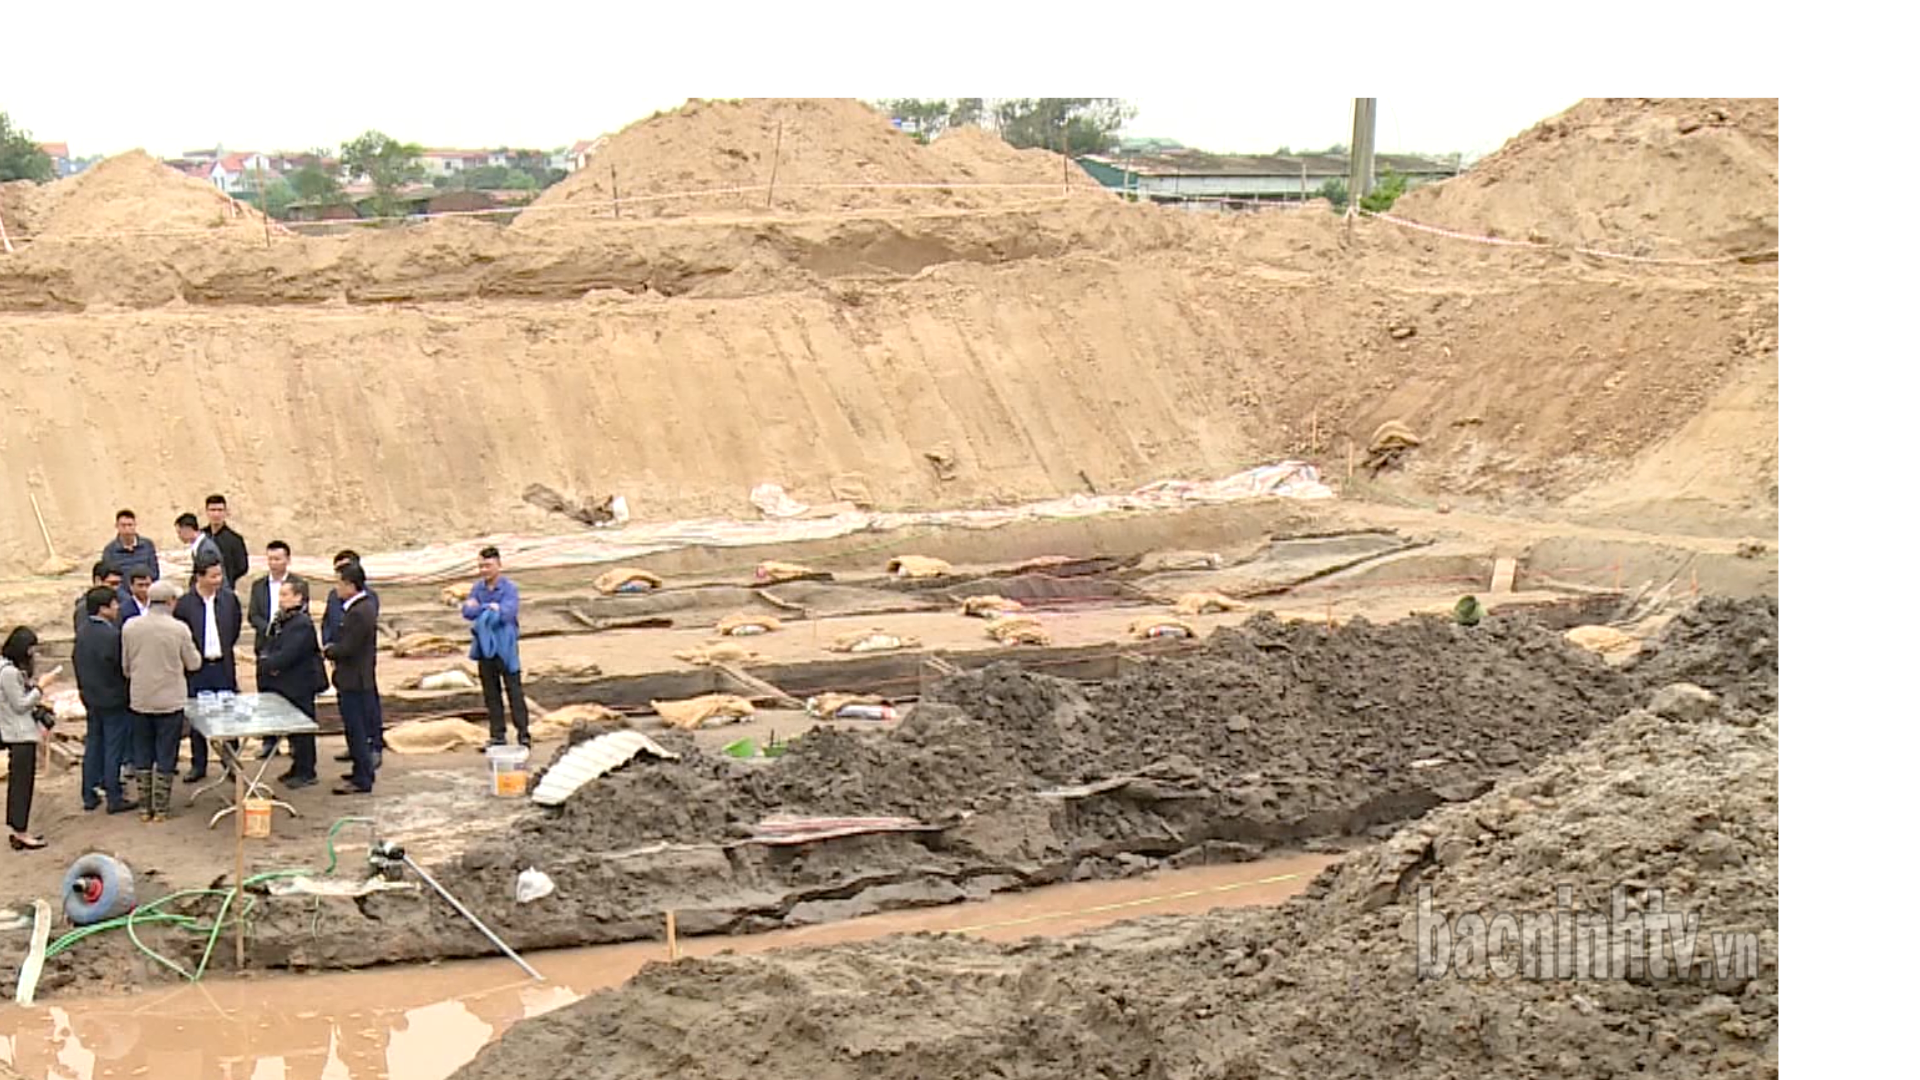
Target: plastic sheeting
446	562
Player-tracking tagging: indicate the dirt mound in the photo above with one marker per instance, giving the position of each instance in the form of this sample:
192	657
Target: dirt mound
1674	177
1320	986
1731	647
134	193
824	153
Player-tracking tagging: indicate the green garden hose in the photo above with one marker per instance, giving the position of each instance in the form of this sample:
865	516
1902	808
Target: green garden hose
148	913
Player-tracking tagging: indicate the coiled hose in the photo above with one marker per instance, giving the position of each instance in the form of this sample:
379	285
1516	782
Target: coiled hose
151	913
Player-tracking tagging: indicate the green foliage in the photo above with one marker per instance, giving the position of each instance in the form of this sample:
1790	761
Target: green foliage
525	175
1073	125
926	117
277	198
389	163
313	182
967	112
20	157
1390	187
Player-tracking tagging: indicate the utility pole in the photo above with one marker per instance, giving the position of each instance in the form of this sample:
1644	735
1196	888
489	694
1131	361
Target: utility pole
1360	154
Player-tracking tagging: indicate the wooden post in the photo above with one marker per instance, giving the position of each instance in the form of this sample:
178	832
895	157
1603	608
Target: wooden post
673	937
1616	575
5	243
1349	462
239	868
779	130
614	171
1314	424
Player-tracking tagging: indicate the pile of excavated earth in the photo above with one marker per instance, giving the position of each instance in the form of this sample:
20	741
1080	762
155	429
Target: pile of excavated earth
1272	737
1041	339
1668	795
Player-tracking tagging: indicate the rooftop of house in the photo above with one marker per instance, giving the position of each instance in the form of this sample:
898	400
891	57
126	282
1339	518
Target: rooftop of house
55	149
1184	162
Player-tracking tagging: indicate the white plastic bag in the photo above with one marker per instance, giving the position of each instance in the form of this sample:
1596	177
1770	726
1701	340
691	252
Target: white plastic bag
532	886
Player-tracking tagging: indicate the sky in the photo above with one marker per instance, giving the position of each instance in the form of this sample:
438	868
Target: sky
168	127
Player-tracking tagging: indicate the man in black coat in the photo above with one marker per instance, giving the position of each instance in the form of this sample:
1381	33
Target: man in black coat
353	652
290	666
103	574
262	605
212	612
103	690
230	544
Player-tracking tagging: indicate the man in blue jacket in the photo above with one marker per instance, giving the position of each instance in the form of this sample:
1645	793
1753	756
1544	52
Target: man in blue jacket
494	610
104	691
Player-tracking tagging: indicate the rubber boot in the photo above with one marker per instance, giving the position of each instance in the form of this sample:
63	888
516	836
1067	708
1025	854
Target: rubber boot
145	777
162	796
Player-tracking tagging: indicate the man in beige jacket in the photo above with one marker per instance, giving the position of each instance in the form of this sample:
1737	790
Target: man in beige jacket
156	651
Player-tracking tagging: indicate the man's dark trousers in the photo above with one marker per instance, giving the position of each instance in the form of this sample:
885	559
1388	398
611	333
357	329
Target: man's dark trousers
156	741
493	676
359	710
305	759
109	734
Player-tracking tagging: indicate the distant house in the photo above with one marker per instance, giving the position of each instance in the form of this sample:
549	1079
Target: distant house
64	164
1175	174
582	152
452	162
241	173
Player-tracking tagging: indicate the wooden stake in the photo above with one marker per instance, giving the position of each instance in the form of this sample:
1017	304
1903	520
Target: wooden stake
1349	462
673	937
779	129
1314	423
1616	575
239	866
614	172
5	243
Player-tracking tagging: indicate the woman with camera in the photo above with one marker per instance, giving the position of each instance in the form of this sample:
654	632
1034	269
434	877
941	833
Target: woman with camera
24	719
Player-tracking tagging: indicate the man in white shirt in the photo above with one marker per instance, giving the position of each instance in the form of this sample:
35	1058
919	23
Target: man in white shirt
212	613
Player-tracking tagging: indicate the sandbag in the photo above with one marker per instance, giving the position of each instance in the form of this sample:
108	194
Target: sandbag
423	644
830	703
564	669
746	623
918	566
986	607
626	579
1604	640
556	723
1207	603
874	640
1148	627
440	736
1018	630
693	713
713	653
773	572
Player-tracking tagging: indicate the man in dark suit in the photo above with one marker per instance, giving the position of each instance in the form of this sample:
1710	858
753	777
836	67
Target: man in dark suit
103	574
230	544
290	666
212	613
104	691
262	606
330	627
353	653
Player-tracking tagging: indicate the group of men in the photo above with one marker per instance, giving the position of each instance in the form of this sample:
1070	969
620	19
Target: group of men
143	647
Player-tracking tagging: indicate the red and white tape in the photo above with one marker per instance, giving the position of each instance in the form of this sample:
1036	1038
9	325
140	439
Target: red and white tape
1497	241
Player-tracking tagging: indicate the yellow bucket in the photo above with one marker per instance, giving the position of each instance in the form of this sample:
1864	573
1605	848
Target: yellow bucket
256	819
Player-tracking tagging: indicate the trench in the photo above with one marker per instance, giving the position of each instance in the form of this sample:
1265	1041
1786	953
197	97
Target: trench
424	1022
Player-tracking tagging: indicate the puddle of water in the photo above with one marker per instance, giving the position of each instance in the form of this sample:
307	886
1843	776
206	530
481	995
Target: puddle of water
422	1023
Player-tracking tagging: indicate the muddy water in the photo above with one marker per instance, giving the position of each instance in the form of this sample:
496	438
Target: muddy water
422	1023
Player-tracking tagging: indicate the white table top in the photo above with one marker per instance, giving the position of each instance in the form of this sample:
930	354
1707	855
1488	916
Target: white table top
254	716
